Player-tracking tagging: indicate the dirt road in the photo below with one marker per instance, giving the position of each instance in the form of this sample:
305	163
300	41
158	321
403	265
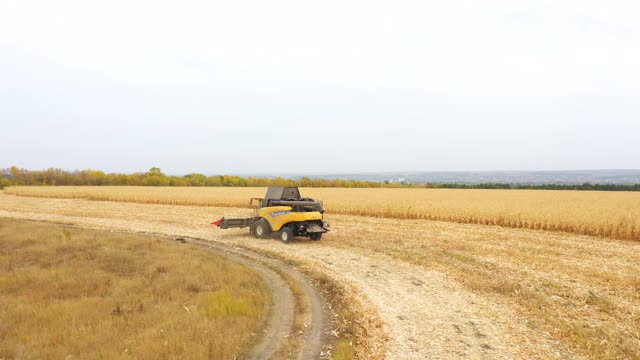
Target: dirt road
278	335
425	313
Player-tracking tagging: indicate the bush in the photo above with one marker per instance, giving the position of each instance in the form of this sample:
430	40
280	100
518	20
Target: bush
4	182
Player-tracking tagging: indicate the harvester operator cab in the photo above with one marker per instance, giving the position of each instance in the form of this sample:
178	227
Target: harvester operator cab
289	196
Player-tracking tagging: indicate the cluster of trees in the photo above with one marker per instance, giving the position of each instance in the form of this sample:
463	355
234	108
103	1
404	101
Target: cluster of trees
155	177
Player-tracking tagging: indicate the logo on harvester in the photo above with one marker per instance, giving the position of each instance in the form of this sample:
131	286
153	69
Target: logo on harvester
278	213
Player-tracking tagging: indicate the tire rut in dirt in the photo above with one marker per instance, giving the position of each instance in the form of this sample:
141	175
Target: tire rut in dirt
277	331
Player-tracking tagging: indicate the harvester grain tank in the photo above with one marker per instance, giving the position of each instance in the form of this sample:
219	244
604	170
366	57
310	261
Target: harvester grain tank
282	212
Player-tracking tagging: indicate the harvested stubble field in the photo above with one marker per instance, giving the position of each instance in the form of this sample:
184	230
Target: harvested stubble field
582	292
71	293
596	213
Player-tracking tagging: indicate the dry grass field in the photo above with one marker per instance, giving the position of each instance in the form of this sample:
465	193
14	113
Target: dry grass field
70	293
609	214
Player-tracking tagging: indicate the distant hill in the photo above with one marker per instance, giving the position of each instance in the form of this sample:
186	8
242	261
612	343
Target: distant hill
619	177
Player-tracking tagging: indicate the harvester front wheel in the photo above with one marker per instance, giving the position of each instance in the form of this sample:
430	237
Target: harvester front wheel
315	236
261	229
286	234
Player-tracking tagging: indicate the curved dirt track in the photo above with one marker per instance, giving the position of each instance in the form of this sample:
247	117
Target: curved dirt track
425	313
277	331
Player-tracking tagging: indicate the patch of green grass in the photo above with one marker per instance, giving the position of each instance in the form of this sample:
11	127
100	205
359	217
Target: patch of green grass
222	303
343	351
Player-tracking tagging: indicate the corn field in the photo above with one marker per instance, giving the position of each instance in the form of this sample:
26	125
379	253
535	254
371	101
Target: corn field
596	213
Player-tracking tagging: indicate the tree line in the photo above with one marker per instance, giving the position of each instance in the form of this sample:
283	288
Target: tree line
155	177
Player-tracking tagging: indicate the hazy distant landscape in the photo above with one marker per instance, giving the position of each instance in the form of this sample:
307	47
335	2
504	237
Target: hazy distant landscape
605	180
478	177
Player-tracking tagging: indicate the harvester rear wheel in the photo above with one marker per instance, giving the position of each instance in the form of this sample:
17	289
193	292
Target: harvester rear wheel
286	234
315	236
261	229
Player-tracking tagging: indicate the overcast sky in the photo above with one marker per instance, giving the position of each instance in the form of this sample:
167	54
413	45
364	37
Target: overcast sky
320	87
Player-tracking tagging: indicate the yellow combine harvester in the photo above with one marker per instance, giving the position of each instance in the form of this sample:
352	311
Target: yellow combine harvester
283	212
